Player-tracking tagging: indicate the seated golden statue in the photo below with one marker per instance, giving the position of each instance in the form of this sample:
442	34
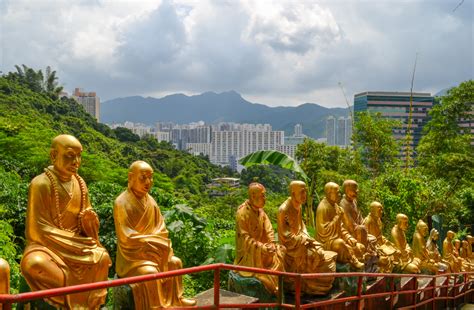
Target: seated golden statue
421	252
143	246
464	264
303	253
331	232
448	253
408	263
388	254
433	251
466	250
255	240
352	218
4	278
62	231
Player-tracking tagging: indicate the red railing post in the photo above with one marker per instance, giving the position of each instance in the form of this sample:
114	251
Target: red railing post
217	285
392	288
298	292
360	304
433	294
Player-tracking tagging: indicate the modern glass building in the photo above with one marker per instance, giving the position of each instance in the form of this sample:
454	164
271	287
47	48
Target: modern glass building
396	105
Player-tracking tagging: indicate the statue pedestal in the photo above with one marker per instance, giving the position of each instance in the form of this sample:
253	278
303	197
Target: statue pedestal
249	286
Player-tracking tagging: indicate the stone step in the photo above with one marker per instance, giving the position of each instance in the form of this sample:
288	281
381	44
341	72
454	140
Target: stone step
206	298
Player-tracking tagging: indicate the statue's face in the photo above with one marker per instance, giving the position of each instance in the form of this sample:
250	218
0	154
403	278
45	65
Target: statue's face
435	235
332	195
300	195
457	244
352	191
142	180
403	224
450	234
380	211
67	157
258	198
424	230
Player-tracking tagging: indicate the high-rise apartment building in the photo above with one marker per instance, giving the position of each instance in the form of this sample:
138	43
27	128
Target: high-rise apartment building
89	101
298	130
331	130
338	131
226	145
396	105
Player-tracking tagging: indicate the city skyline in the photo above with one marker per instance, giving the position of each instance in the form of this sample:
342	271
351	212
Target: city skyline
278	53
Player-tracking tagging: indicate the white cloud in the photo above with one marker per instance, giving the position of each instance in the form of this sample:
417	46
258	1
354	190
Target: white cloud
281	52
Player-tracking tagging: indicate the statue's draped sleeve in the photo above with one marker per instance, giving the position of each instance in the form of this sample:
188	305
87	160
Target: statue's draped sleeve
141	233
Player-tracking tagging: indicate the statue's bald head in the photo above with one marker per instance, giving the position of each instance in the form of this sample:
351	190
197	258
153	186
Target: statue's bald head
257	196
298	192
350	188
139	165
255	188
140	178
331	191
296	185
376	209
65	154
422	227
65	140
450	234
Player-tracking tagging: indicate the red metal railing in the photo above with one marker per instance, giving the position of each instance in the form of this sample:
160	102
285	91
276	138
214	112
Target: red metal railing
459	289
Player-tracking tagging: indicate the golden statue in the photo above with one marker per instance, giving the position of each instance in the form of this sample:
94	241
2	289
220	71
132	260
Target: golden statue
303	253
388	254
331	232
255	240
62	231
4	278
466	251
470	240
448	253
352	218
433	251
464	265
143	246
421	252
408	263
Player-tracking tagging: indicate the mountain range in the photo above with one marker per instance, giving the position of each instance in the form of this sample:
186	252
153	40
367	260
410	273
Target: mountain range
213	107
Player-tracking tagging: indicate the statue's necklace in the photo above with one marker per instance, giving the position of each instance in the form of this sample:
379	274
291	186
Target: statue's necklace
82	187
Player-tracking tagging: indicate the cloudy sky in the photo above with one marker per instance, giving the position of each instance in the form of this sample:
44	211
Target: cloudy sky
273	52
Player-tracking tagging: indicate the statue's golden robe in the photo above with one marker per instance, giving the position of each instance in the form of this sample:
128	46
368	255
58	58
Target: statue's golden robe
406	255
421	252
80	258
142	241
254	230
303	253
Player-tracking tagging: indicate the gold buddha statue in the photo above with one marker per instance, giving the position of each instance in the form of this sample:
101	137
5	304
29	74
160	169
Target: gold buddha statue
255	239
464	264
4	278
352	218
421	252
331	232
408	263
303	253
62	231
143	246
448	253
433	251
469	254
388	254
